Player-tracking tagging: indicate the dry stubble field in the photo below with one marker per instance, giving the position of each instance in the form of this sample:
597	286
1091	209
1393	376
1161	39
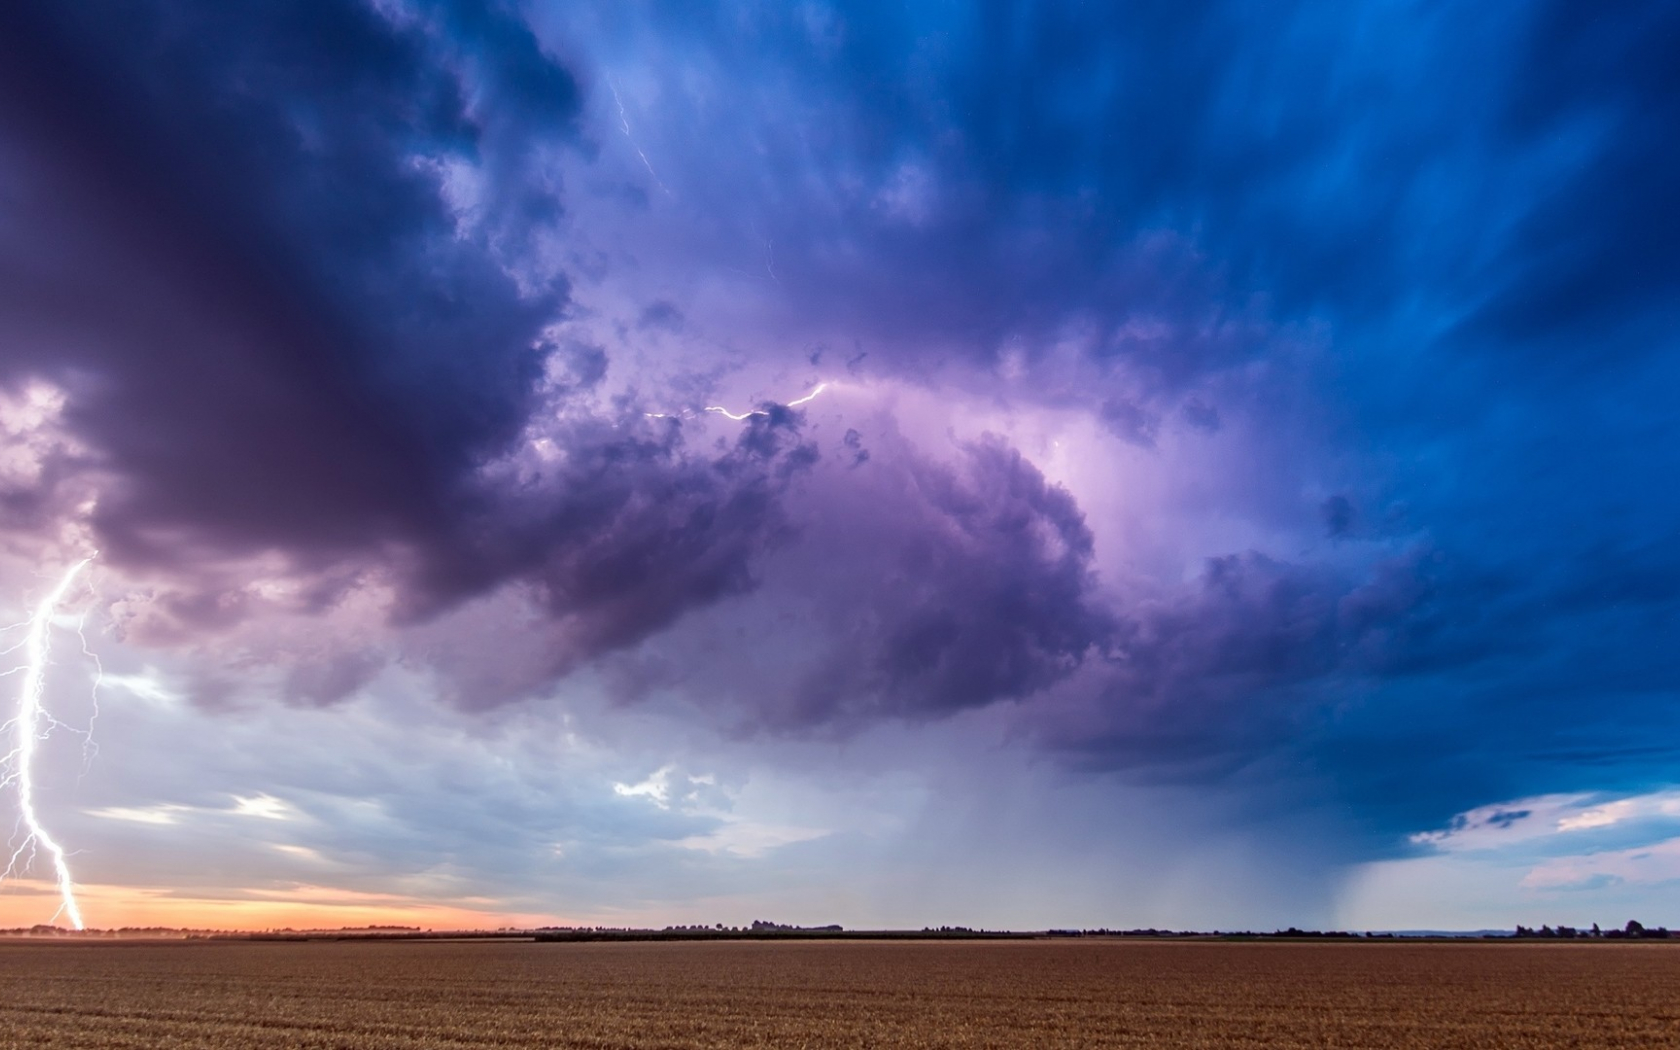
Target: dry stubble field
1001	994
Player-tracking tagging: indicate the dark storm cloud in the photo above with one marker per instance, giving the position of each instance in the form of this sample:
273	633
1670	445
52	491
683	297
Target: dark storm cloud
1007	172
917	588
1470	214
226	242
627	533
1416	685
1339	515
284	260
1215	673
1599	253
979	589
290	264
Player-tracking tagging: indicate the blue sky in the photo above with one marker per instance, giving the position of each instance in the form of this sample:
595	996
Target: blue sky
999	464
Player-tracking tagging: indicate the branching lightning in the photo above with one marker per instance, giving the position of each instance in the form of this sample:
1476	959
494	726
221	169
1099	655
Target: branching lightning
28	732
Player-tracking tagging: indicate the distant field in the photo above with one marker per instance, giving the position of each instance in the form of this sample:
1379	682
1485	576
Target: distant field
993	994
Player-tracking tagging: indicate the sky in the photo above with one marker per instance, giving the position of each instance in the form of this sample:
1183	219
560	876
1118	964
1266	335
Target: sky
996	464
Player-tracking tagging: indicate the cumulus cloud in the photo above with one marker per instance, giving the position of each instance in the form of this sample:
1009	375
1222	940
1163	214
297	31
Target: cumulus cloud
913	587
281	275
978	587
231	253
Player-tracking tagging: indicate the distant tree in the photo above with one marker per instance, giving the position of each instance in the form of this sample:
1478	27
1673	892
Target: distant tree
1635	928
1596	931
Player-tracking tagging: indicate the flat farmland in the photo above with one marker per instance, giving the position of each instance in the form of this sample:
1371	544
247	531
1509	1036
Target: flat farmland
1086	993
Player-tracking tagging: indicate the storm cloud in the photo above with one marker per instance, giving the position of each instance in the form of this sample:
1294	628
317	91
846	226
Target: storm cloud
1221	401
287	268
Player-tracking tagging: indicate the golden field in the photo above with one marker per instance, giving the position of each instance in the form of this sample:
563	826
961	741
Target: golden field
1039	994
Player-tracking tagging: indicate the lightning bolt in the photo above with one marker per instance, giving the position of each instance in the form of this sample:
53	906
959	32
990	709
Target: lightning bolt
624	124
26	724
738	416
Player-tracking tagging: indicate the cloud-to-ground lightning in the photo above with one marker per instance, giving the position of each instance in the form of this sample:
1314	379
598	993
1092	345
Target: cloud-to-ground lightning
26	727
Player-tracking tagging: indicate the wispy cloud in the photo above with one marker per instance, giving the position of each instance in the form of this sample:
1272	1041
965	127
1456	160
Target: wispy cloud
265	807
1548	819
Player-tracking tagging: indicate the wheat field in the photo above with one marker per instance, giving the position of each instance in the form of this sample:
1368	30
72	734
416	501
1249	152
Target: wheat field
1039	994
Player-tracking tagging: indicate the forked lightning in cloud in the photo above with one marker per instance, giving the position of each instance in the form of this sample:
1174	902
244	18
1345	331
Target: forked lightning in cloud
760	412
27	729
740	416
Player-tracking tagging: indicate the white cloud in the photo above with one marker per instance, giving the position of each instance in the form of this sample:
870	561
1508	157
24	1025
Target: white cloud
1645	865
31	432
1508	863
735	834
656	788
266	807
164	814
1606	815
745	838
1542	817
147	685
262	806
304	853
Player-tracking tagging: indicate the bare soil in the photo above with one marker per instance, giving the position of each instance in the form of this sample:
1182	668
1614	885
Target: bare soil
1039	994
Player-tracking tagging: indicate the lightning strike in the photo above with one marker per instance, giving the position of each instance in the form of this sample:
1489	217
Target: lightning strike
624	124
741	416
738	417
809	397
26	725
